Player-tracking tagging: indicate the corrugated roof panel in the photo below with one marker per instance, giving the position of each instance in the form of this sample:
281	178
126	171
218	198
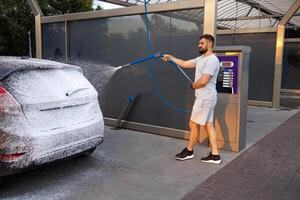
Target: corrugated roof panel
234	13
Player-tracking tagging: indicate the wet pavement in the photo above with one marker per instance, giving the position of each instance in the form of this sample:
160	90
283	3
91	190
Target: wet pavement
133	165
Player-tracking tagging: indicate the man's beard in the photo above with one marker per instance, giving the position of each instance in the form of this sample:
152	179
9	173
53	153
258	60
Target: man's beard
202	51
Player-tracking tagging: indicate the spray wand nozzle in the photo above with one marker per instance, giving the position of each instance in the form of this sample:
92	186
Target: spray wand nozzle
140	60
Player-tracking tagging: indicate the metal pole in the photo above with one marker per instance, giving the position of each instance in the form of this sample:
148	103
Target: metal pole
29	44
38	36
210	17
66	41
279	52
278	66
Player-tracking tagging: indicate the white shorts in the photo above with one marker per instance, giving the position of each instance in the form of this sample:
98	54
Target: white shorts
203	111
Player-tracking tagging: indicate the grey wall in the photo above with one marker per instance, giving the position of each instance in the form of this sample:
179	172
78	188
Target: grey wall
291	66
262	59
99	45
155	84
53	41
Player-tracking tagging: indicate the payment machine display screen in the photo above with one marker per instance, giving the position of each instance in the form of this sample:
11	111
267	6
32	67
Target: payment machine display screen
228	74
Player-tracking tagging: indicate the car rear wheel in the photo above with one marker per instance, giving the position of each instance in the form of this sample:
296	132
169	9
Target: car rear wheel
89	151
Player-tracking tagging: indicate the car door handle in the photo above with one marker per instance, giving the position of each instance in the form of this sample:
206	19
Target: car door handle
69	93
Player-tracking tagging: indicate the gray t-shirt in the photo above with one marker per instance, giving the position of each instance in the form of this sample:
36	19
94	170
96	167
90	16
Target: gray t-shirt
207	65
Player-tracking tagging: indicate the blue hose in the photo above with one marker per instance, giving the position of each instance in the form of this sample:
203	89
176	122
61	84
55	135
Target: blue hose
153	79
151	73
182	72
150	57
154	56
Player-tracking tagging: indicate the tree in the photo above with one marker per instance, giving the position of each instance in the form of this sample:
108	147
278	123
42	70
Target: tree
99	8
59	7
16	19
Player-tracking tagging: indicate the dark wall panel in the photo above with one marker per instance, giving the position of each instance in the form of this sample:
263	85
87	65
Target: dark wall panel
53	41
99	45
159	87
291	66
262	59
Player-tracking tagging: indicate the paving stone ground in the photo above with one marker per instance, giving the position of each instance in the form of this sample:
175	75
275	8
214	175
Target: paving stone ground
270	169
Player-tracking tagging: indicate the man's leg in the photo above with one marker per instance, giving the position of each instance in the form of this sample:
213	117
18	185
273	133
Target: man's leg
212	135
187	152
213	157
194	134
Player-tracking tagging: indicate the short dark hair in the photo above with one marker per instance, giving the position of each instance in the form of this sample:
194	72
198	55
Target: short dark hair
209	38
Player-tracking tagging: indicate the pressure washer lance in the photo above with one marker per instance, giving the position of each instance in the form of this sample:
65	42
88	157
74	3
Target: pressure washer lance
140	60
154	56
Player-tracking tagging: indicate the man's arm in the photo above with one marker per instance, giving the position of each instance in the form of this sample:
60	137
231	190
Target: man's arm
181	63
209	71
202	81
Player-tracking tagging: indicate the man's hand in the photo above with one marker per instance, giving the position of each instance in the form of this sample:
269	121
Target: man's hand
202	81
166	57
193	86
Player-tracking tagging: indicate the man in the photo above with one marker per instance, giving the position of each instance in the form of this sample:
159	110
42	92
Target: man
207	69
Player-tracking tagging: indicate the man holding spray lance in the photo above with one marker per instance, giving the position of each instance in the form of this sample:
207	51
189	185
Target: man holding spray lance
207	69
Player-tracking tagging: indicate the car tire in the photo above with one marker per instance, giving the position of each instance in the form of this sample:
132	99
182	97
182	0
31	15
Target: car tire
89	151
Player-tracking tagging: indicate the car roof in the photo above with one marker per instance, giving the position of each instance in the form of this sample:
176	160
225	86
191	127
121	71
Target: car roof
9	65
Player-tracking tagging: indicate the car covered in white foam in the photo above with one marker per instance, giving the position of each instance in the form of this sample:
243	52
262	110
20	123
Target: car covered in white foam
48	111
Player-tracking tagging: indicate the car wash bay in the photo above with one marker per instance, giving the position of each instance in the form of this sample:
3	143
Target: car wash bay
132	164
